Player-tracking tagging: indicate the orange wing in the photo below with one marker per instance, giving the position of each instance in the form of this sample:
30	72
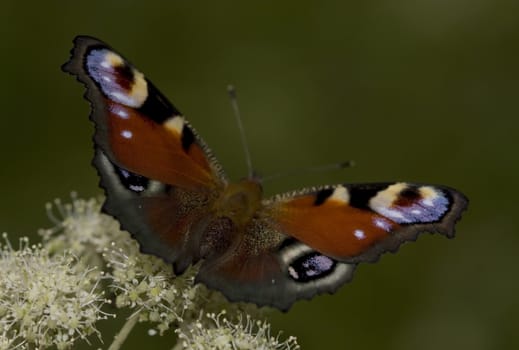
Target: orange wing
309	242
159	177
357	223
137	128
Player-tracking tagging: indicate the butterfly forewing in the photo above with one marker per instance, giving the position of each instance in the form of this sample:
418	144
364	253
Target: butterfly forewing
137	128
358	222
159	176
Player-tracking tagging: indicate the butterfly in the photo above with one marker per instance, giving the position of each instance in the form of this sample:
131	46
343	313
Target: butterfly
164	186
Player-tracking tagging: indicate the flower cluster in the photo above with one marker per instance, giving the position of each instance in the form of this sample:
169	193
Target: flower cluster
144	284
81	228
46	300
52	294
217	332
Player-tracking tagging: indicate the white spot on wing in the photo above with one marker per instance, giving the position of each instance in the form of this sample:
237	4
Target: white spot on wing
427	202
293	273
123	98
119	111
137	188
382	223
359	234
127	134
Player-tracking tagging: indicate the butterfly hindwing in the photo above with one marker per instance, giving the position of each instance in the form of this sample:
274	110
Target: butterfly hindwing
164	219
269	268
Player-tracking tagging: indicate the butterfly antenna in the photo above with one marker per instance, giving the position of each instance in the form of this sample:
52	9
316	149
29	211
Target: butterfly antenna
234	102
315	169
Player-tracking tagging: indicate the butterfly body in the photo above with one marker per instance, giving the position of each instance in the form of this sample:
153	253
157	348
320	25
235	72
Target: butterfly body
239	202
167	189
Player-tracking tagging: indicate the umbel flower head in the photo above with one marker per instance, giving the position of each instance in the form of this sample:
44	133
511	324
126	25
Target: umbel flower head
81	228
46	300
145	285
52	294
222	334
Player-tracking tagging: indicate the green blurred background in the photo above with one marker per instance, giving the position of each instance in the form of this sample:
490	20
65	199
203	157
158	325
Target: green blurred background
424	90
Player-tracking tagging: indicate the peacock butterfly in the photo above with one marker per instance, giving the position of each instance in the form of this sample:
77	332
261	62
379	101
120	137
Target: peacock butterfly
167	189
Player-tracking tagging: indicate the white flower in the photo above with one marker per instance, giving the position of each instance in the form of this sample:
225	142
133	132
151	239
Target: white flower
46	299
81	228
218	333
147	285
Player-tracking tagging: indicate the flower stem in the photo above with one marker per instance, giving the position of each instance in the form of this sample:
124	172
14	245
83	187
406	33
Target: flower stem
123	333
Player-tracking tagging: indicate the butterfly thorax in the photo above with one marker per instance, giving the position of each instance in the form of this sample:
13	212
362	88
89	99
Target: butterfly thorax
239	201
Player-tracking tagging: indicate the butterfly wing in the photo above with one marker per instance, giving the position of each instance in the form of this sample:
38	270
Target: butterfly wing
269	268
309	242
158	174
359	222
